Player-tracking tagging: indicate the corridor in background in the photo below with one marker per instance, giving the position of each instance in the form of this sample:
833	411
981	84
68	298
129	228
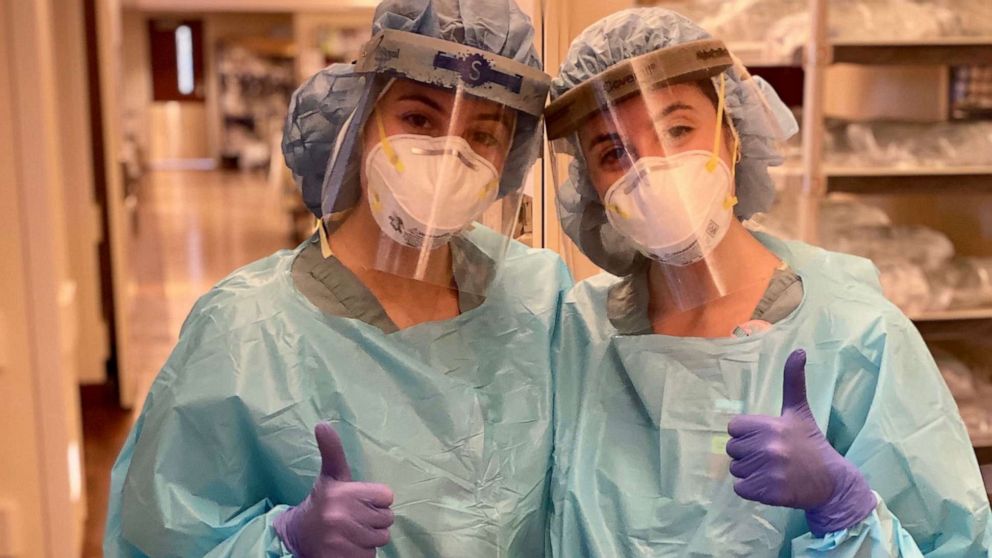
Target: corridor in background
190	230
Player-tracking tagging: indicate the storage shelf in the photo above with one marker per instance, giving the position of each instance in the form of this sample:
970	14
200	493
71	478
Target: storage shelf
954	315
944	51
983	449
882	180
754	54
838	170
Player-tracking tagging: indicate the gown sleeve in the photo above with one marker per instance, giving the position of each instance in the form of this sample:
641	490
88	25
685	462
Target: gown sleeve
189	480
895	419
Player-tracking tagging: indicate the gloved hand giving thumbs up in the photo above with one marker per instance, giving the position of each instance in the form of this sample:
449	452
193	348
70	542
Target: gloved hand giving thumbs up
340	518
787	461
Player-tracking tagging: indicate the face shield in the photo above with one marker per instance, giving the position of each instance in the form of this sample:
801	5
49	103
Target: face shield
648	151
434	140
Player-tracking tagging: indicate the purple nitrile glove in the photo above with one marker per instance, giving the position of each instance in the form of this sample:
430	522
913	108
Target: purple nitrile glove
340	518
787	461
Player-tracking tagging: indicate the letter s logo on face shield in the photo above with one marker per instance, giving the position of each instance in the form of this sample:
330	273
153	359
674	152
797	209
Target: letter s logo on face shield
475	74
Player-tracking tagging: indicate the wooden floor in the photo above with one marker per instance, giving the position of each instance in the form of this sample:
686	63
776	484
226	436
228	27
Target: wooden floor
189	231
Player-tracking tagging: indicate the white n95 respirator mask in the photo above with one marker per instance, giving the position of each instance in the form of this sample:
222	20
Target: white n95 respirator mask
675	209
423	190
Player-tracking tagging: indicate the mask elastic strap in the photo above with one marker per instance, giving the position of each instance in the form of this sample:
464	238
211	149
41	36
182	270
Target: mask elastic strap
325	244
732	200
387	146
711	165
718	140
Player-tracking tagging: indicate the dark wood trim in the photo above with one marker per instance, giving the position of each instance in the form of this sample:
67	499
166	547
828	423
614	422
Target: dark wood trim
100	186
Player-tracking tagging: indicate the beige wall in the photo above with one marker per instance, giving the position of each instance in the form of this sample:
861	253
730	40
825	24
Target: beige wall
137	78
82	215
39	418
20	483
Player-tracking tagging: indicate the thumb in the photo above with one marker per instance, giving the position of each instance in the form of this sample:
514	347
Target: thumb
794	383
333	462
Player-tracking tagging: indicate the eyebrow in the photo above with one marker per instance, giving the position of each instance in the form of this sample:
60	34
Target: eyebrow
674	107
425	100
502	117
617	138
498	117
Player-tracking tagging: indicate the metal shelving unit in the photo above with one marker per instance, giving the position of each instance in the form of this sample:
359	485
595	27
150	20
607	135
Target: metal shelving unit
820	179
954	315
983	448
953	51
977	179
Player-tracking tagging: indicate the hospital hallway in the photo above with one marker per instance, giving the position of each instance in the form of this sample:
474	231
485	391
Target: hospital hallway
189	229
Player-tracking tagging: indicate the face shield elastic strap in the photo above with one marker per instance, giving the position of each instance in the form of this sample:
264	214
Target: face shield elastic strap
711	166
387	146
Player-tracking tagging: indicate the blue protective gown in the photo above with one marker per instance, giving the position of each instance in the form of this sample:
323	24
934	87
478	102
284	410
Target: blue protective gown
455	416
640	467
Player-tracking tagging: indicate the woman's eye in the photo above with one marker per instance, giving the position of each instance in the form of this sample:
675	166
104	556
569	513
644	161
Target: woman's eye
612	156
417	121
485	139
678	132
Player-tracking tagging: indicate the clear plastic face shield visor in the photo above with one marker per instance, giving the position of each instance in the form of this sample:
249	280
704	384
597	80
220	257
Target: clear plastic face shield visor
651	144
440	125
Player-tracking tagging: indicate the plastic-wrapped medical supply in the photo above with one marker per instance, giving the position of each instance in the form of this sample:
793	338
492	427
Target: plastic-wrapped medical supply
972	389
918	267
975	284
909	145
893	245
838	216
906	285
892	19
957	375
776	29
905	255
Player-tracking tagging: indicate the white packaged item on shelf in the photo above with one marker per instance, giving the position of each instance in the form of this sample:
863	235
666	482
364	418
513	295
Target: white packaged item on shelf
977	419
892	19
840	215
912	260
957	375
974	16
943	286
777	29
906	145
906	285
969	382
895	245
973	286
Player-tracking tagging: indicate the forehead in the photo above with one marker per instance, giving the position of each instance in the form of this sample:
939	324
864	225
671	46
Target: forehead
647	105
441	96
